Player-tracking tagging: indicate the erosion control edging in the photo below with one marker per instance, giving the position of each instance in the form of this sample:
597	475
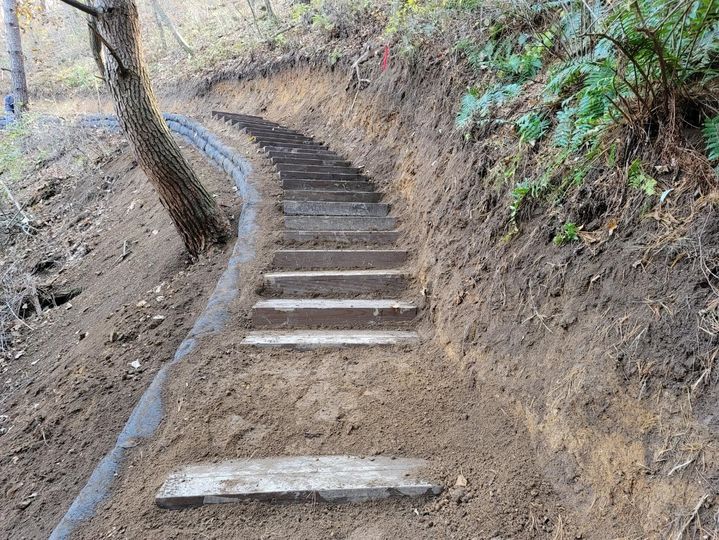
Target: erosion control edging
148	413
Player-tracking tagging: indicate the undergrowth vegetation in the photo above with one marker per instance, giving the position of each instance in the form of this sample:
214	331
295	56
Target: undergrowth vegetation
601	87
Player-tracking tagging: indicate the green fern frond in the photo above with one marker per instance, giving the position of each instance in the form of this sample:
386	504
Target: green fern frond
532	127
711	137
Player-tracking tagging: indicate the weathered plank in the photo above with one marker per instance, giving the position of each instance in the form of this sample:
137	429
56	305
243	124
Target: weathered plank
336	282
303	175
277	132
299	153
317	339
273	144
330	479
343	237
295	168
316	161
323	208
331	196
331	312
332	185
338	258
339	223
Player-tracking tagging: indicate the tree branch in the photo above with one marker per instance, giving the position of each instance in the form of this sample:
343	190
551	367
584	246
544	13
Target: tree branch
120	66
82	7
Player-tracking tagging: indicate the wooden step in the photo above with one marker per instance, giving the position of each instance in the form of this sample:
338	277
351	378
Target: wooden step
323	208
304	479
243	116
343	237
339	223
338	258
331	185
274	144
331	196
277	132
304	175
334	282
304	154
331	312
294	168
319	161
319	339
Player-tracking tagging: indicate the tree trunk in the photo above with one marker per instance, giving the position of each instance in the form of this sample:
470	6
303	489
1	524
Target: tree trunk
164	20
192	209
270	11
14	51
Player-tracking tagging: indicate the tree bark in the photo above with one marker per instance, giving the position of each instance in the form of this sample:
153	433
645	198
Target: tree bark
14	51
192	209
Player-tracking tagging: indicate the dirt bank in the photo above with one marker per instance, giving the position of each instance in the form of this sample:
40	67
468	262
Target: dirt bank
603	349
69	383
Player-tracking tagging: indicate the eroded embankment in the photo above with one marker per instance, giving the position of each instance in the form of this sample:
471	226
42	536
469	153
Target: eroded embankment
604	347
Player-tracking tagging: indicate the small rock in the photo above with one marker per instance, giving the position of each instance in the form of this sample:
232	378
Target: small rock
461	481
456	494
156	321
135	364
141	304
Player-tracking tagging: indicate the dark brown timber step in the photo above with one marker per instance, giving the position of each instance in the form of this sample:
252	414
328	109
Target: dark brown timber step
271	144
330	185
343	237
304	479
238	116
280	137
329	162
296	259
323	208
302	154
319	339
294	168
331	312
303	175
277	132
339	223
331	196
334	282
242	123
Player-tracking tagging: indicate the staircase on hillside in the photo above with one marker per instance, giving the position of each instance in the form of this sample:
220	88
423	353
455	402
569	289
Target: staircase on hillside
334	284
337	281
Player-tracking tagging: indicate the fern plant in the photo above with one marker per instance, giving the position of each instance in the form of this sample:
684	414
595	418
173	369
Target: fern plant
640	180
711	137
532	127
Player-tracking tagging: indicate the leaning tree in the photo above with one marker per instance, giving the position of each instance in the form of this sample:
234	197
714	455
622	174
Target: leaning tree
13	42
115	28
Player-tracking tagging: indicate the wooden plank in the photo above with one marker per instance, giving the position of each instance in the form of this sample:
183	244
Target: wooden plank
316	161
273	144
331	196
331	312
276	132
323	208
311	479
304	175
319	339
298	153
338	258
331	185
339	223
336	282
293	168
343	237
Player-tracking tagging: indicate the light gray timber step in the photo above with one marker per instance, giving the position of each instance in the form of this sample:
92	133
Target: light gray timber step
324	208
331	312
294	168
318	161
339	223
304	175
332	185
304	479
331	196
343	237
336	282
319	339
338	258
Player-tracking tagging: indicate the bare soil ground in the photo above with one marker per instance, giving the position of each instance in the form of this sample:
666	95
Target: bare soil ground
67	384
